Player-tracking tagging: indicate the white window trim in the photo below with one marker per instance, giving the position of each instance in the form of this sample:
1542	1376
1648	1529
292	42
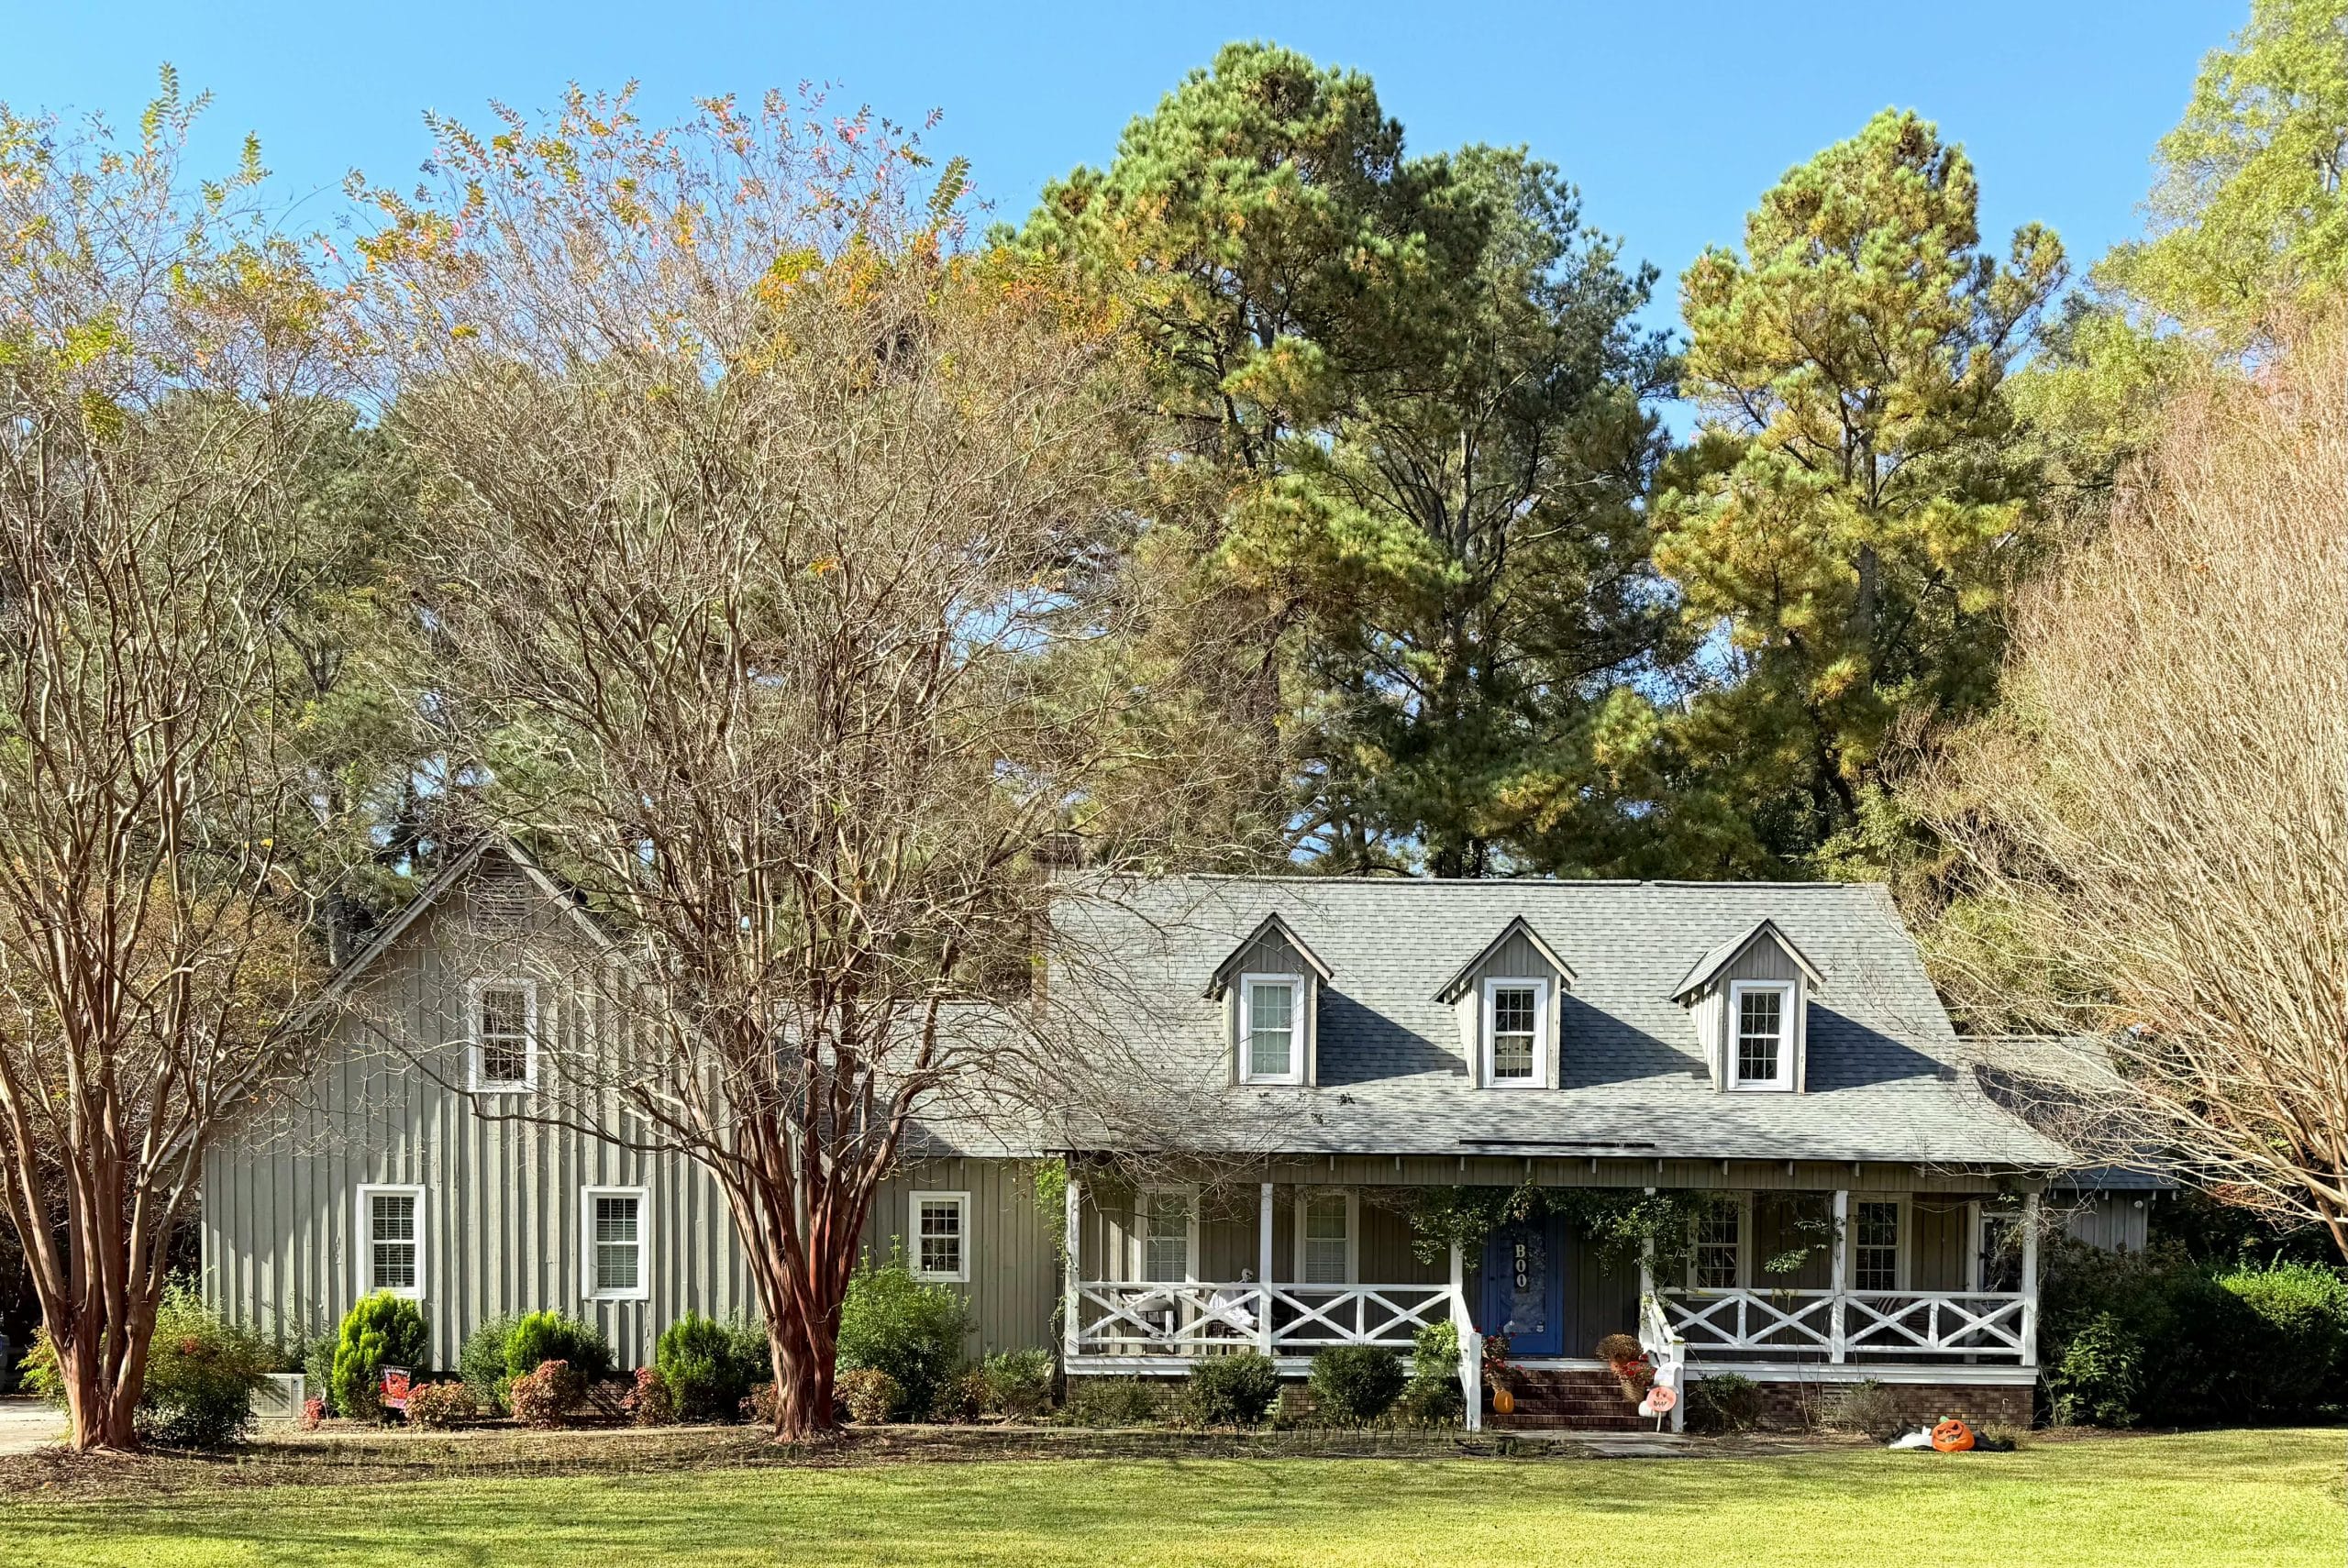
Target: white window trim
364	1261
587	1196
1733	1029
1742	1203
1189	1196
1353	1234
913	1229
528	1082
1493	985
1248	1073
1902	1242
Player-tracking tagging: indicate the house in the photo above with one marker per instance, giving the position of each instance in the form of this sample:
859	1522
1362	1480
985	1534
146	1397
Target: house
1329	1054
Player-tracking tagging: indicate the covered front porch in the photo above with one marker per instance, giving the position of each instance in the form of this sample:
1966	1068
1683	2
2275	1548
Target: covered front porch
1921	1282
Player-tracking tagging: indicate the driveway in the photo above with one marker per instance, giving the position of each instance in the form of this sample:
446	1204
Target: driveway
28	1424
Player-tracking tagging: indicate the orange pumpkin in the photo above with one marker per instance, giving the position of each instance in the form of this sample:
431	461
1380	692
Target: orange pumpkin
1952	1436
1503	1401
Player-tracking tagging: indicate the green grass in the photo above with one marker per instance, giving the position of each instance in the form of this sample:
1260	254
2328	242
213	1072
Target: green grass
2269	1498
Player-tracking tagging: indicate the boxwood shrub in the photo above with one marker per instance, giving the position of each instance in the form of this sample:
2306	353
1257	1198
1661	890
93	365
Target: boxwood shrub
1356	1385
1234	1390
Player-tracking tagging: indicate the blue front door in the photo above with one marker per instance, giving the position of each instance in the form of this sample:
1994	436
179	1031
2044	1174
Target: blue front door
1525	1289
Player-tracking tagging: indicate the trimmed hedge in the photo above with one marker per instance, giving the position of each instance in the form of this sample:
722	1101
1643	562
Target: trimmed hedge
1234	1390
1356	1385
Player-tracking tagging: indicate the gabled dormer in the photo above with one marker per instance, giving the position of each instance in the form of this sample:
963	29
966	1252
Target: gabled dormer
1750	997
1506	998
1270	990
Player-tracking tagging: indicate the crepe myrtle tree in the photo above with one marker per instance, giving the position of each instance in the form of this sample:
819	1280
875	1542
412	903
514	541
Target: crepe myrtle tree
779	550
163	355
2153	852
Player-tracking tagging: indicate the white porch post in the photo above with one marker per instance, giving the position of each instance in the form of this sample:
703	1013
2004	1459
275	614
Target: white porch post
1072	1299
1471	1345
1264	1271
2030	1279
1838	1326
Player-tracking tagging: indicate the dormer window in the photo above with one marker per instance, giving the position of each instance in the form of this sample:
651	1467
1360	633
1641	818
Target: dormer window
1762	1052
1516	1021
1272	1029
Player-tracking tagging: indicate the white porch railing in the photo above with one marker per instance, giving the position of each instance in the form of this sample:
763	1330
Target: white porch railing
1992	1325
1668	1350
1126	1318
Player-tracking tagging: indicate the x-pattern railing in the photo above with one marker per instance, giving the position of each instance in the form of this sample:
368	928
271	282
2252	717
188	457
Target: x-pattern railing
1191	1318
1883	1322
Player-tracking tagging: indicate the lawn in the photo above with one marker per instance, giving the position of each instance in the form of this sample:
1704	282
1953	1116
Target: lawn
2267	1498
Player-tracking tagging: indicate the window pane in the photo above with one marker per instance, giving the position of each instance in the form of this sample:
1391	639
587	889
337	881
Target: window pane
1717	1250
391	1233
1760	1020
1270	1031
1512	1015
1875	1258
1166	1253
1324	1240
502	1030
940	1224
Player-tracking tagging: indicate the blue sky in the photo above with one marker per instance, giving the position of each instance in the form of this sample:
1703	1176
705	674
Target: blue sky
1672	116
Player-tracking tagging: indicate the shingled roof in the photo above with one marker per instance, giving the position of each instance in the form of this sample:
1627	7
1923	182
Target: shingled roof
1888	1079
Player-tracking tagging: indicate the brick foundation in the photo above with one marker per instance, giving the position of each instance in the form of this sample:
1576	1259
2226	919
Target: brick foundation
1801	1406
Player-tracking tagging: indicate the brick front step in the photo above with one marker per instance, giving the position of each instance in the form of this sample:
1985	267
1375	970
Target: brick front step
1569	1400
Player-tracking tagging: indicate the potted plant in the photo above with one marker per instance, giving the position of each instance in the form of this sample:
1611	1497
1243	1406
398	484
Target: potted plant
1499	1377
1628	1360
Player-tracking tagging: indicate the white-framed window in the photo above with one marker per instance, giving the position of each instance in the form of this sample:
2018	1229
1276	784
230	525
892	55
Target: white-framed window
1272	1029
391	1238
615	1244
1516	1026
503	1018
1168	1227
940	1226
1761	1034
1717	1263
1327	1238
1876	1233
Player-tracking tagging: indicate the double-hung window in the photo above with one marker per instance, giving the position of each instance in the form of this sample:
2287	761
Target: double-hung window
1761	1051
941	1228
1516	1021
505	1026
391	1240
615	1242
1720	1248
1166	1221
1324	1238
1272	1029
1875	1245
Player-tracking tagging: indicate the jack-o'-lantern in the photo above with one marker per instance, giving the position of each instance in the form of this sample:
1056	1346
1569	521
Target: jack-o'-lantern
1952	1436
1503	1400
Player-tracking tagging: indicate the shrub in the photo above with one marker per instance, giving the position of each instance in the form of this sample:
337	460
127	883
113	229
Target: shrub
649	1404
1431	1402
440	1404
1019	1384
1355	1385
1434	1352
962	1398
2302	1311
201	1374
1723	1402
913	1332
541	1337
871	1395
1110	1402
2098	1377
710	1366
380	1331
317	1367
1234	1390
481	1362
547	1396
1866	1408
313	1412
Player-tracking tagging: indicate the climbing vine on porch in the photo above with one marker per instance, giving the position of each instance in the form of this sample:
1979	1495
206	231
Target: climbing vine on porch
1622	1225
